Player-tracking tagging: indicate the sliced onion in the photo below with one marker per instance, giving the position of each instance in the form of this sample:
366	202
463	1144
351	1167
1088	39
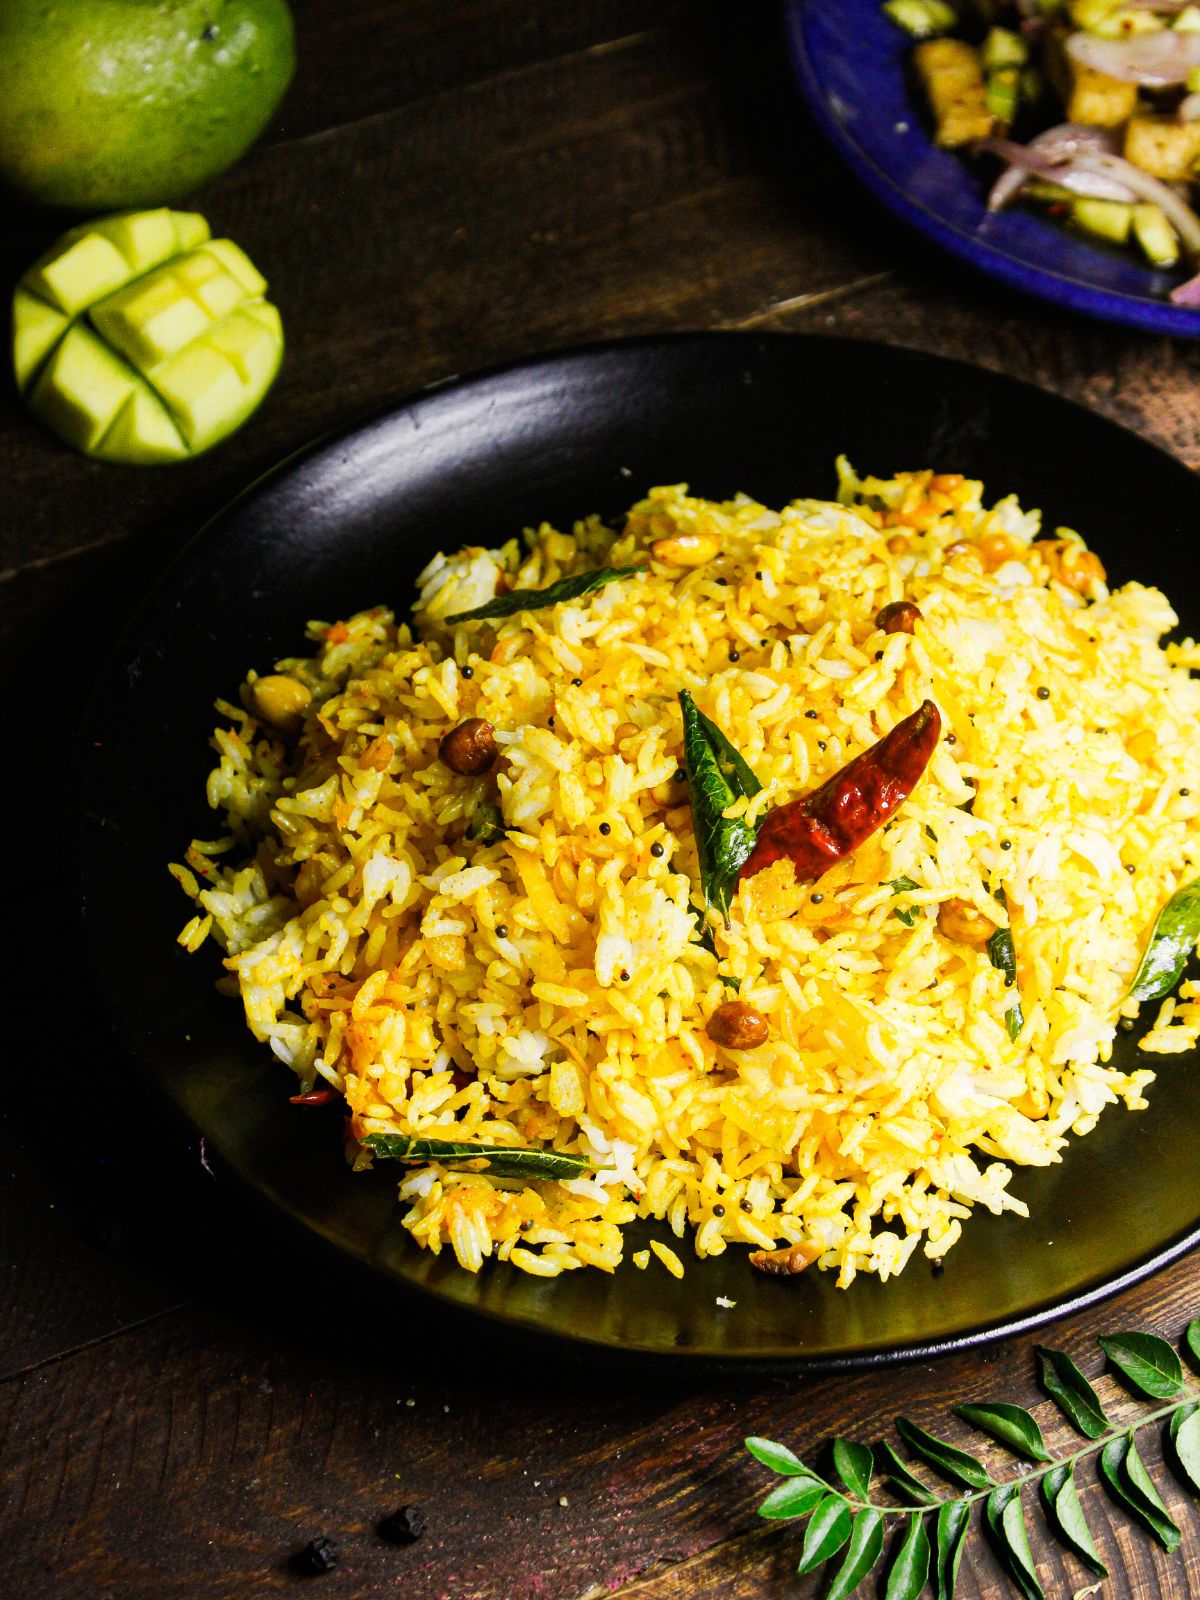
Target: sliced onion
1178	213
1153	59
1187	294
1052	156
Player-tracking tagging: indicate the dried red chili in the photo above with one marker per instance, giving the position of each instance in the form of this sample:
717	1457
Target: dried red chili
315	1097
820	828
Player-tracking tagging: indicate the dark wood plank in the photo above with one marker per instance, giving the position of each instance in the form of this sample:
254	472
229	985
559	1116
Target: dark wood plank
386	55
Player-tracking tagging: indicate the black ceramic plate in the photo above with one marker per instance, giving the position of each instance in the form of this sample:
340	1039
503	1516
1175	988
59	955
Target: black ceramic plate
348	524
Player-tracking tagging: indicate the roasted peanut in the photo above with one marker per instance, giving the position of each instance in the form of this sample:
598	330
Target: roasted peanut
686	549
964	923
1072	564
791	1259
963	552
900	617
897	544
470	749
997	548
281	701
737	1026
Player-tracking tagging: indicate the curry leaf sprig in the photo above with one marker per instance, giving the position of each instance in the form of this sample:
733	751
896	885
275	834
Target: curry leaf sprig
845	1522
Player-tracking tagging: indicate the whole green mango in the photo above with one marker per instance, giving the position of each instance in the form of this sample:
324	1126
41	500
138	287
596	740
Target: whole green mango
106	104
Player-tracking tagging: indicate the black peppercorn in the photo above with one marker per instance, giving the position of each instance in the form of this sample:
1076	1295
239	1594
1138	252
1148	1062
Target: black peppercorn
624	977
811	714
502	930
821	745
467	672
1185	793
1006	844
318	1555
879	655
735	655
816	899
606	827
578	682
1130	868
550	721
404	1526
718	1210
723	583
1126	1024
758	577
1043	693
680	775
657	850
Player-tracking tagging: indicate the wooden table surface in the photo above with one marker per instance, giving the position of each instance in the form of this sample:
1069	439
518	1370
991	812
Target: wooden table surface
183	1403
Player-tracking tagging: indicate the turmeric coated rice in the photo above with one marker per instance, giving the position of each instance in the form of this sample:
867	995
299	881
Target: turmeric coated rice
515	958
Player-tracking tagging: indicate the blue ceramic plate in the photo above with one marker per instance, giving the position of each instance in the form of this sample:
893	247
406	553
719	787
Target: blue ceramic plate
851	63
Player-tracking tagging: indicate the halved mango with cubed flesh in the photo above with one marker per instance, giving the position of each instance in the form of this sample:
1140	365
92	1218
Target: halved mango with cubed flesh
138	338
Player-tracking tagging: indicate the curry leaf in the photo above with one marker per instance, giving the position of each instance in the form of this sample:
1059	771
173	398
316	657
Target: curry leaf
945	1458
866	1546
486	825
826	1533
795	1498
1193	1338
1011	1425
1139	1481
1118	1471
506	1161
854	1465
1146	1362
778	1457
910	1569
1002	954
904	1483
1006	1519
555	594
736	771
953	1520
717	776
1072	1393
1185	1440
907	914
1014	1021
1066	1514
1172	941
